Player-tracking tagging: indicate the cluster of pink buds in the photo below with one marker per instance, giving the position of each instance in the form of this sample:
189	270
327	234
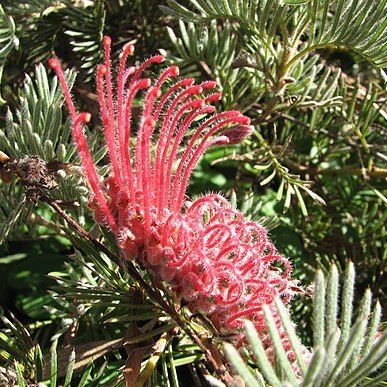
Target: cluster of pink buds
221	264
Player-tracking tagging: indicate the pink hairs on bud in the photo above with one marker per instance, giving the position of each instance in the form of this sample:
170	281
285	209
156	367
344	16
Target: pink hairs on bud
238	133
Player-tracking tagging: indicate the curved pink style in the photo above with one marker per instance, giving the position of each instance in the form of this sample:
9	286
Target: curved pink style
218	262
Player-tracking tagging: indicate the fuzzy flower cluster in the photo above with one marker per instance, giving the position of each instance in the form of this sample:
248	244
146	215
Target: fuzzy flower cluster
207	253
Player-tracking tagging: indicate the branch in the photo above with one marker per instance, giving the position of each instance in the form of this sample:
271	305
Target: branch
213	355
355	171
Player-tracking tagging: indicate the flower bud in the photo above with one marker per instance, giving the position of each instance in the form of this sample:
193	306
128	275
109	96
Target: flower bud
238	133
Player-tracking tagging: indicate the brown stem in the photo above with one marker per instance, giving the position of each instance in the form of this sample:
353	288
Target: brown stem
373	172
277	88
81	231
36	218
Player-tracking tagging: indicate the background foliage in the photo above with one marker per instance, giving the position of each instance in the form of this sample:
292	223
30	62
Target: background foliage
310	74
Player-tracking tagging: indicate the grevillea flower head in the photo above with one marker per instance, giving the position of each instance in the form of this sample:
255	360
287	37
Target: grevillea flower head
208	254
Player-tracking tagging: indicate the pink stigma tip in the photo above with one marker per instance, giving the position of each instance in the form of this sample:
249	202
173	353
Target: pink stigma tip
130	70
196	89
85	117
128	49
214	97
149	121
198	103
158	59
209	84
107	41
144	83
155	91
175	71
102	69
209	109
188	82
54	63
245	120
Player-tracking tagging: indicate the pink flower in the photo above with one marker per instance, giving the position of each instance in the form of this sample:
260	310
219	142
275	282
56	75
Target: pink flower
209	255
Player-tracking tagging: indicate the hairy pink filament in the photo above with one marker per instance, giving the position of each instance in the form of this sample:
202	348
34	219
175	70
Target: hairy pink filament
107	120
55	65
220	263
88	164
181	185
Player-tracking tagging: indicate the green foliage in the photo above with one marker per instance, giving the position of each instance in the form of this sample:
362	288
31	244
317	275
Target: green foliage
199	43
73	30
29	363
98	301
39	134
347	348
8	40
309	74
330	23
85	29
319	133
